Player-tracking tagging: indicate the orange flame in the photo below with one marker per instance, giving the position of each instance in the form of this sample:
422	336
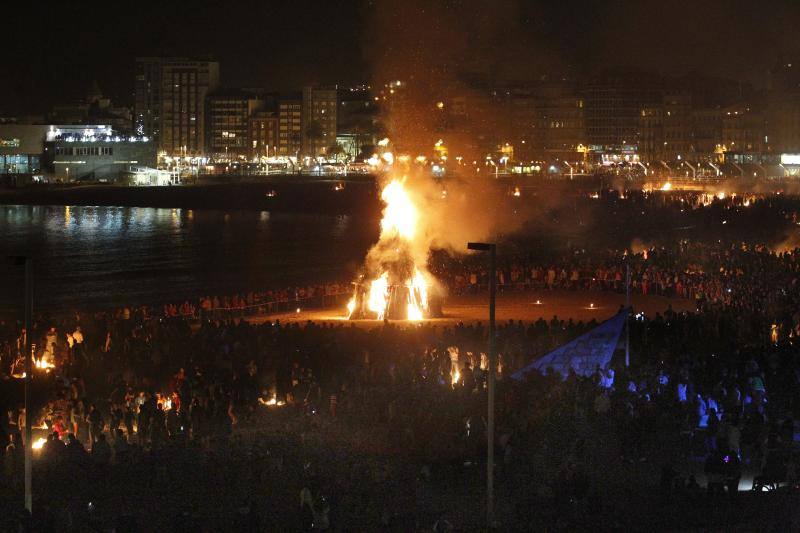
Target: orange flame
400	219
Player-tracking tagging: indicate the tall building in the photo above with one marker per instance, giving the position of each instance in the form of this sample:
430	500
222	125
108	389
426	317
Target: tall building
783	123
228	115
742	129
559	129
614	101
783	107
678	125
184	88
357	120
318	120
170	102
651	133
263	134
147	96
290	127
523	124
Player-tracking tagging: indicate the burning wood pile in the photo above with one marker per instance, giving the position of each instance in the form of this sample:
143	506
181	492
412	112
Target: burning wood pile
396	283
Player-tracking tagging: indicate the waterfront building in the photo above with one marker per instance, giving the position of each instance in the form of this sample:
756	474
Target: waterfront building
229	115
72	152
290	127
170	102
558	129
318	120
21	148
95	153
263	134
614	100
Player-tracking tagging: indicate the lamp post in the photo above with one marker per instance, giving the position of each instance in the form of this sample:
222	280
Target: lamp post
627	311
27	262
491	248
571	169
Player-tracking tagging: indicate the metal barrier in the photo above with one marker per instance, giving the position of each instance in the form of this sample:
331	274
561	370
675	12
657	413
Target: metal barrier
274	306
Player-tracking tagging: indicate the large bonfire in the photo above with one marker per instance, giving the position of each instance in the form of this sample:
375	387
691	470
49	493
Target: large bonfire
395	283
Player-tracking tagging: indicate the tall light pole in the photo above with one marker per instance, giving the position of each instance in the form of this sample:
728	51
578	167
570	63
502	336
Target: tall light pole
627	311
27	262
571	169
491	248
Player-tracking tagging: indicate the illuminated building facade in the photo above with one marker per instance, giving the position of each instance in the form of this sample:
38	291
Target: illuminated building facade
614	100
318	120
170	102
560	125
228	116
21	148
263	134
95	153
72	152
290	126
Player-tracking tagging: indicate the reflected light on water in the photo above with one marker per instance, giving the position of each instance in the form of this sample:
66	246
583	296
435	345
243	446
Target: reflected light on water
109	256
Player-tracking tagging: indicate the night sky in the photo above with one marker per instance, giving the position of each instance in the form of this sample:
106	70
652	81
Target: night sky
51	54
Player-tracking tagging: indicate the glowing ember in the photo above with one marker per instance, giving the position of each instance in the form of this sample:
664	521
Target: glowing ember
272	402
164	400
41	364
38	444
666	187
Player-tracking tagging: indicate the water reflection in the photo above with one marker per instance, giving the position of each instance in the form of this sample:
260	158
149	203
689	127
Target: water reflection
106	256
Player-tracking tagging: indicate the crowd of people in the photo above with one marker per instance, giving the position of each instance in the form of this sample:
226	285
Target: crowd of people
148	416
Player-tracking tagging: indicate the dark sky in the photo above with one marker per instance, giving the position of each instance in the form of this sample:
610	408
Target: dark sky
52	51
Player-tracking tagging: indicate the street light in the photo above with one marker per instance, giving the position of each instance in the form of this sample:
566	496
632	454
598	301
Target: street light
27	262
491	248
628	310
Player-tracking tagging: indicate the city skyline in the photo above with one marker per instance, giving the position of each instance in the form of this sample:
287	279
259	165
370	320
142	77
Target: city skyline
288	46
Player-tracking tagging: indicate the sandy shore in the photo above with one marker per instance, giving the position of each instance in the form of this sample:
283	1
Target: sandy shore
526	306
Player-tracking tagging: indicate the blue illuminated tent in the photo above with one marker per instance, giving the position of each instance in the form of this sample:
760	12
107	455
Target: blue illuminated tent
582	354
